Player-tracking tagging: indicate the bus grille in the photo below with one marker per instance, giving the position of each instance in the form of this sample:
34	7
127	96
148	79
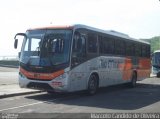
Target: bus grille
41	86
40	79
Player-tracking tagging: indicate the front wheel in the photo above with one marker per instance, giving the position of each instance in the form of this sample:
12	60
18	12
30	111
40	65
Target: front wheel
92	85
51	92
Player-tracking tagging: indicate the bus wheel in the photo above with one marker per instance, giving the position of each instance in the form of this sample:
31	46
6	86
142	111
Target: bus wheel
51	92
158	75
133	82
92	85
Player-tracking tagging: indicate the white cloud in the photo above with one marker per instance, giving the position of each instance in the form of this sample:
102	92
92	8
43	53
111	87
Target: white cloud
138	18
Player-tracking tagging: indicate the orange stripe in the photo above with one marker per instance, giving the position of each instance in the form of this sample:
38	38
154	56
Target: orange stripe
144	67
143	73
43	76
126	69
53	27
128	64
127	74
144	63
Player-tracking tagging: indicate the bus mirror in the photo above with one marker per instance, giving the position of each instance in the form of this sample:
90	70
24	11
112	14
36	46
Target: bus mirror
19	54
15	43
16	39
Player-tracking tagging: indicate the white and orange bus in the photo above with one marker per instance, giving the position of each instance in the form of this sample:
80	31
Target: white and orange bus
79	57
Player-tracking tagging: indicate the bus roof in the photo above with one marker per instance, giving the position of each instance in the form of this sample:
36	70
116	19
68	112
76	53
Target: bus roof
109	32
53	27
156	51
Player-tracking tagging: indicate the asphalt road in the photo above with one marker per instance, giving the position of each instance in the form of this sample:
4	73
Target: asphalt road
144	98
8	76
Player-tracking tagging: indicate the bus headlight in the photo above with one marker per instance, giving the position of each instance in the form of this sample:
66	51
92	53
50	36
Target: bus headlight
57	84
22	75
63	76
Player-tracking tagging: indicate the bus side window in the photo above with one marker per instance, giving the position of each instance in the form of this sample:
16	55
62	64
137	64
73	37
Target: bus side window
92	43
79	45
78	49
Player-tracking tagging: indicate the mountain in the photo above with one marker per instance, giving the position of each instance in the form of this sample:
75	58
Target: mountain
155	43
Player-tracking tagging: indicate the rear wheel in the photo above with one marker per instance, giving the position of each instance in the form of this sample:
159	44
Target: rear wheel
133	82
92	85
158	75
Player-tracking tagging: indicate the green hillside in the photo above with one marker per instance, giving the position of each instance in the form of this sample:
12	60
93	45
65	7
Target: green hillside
155	43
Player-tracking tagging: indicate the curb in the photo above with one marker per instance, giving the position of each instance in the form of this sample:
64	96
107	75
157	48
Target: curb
19	94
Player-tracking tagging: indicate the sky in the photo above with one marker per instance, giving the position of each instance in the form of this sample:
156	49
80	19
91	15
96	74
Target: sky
137	18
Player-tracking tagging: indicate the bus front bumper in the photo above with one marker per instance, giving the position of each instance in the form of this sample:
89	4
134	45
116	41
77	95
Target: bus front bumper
53	85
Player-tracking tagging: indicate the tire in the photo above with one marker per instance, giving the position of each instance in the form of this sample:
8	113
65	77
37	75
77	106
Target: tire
92	85
158	75
133	82
51	92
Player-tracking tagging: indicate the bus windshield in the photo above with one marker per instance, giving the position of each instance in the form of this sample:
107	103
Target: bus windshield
46	47
156	59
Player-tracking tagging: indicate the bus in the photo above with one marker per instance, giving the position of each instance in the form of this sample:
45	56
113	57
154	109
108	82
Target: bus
79	57
155	63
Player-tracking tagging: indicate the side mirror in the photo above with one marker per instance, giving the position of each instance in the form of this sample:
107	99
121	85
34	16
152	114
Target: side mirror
15	43
16	39
19	54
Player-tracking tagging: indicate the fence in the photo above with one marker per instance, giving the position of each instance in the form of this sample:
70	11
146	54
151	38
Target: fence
15	58
9	61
